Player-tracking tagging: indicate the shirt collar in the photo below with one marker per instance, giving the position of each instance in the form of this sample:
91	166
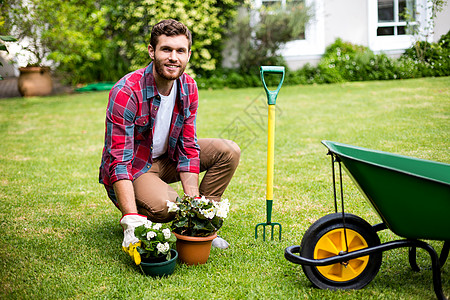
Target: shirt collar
151	83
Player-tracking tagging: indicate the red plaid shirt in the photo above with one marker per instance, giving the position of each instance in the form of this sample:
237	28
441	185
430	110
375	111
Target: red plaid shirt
130	118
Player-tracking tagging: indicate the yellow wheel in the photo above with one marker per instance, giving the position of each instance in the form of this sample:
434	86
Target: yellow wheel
325	238
333	243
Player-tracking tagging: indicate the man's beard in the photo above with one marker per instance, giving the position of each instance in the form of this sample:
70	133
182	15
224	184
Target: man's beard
159	67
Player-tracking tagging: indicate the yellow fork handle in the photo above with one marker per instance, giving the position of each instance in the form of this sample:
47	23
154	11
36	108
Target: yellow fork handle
270	152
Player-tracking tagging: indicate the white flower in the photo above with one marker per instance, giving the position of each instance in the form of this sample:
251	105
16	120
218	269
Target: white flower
203	200
222	208
222	213
163	248
148	224
173	207
150	235
166	233
157	226
208	213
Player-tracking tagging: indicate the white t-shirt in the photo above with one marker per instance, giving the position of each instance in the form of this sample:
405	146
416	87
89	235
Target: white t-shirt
162	122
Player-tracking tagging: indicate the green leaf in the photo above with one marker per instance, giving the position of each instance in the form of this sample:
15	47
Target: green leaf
141	250
8	38
140	231
172	238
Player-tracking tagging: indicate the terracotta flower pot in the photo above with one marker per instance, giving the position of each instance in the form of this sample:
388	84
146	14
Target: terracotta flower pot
193	250
35	81
160	268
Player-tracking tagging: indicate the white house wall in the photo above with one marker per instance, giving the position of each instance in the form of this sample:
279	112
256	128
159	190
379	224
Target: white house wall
442	25
355	21
346	19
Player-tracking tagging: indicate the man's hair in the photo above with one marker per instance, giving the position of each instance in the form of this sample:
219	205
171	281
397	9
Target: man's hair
170	28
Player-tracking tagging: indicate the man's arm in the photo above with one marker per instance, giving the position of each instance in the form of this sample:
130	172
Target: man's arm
125	196
120	116
189	182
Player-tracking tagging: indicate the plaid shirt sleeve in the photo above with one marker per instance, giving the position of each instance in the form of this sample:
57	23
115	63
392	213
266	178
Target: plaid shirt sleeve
188	151
119	141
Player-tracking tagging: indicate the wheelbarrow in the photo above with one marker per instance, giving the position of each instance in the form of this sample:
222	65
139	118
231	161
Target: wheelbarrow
412	198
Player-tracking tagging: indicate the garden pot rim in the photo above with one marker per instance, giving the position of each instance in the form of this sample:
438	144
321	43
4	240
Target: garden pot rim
195	238
33	69
173	257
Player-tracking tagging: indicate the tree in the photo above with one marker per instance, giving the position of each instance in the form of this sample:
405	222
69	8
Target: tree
130	23
98	40
259	35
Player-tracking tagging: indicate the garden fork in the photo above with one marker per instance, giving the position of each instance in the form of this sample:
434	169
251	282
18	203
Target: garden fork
271	100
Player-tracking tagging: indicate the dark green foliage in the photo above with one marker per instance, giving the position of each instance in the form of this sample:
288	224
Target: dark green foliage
228	78
103	40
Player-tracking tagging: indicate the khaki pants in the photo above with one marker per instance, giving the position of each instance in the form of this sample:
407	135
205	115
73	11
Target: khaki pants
218	157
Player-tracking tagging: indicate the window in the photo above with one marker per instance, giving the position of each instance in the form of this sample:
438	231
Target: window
388	26
392	16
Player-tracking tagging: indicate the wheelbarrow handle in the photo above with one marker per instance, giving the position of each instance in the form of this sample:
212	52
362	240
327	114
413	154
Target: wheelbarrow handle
272	94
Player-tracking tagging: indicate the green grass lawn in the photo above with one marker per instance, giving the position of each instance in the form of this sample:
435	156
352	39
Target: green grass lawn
60	235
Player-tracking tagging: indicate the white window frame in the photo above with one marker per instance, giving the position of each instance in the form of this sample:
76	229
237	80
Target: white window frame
314	43
393	43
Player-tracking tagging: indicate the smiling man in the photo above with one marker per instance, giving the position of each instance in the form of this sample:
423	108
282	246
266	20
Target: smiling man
151	139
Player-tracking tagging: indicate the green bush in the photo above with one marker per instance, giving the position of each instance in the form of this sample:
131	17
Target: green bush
344	62
433	59
227	78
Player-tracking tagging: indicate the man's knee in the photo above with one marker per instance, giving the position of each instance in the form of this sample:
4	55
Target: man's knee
157	212
230	151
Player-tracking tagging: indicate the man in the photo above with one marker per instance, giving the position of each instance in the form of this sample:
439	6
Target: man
151	140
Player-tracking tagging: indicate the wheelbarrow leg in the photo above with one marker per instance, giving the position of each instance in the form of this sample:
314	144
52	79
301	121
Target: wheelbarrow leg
435	263
444	253
442	258
436	268
412	259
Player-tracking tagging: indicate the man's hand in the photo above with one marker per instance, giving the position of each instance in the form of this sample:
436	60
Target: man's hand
129	222
190	183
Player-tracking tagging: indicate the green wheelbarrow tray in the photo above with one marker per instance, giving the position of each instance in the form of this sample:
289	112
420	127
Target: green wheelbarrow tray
411	196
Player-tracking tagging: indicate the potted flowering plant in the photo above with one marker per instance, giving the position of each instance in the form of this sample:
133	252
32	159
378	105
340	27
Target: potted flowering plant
153	252
195	225
29	21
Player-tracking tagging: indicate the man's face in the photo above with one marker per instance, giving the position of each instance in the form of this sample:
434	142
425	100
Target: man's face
170	56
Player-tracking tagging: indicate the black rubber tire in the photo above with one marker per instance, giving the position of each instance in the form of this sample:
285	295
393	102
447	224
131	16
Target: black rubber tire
325	225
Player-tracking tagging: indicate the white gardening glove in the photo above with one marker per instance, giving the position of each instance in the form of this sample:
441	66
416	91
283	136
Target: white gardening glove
129	222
